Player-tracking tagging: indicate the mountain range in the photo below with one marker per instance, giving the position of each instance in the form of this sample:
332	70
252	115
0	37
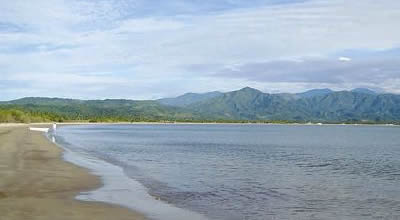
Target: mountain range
247	104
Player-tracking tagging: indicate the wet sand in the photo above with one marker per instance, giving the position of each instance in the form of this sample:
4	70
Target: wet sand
35	183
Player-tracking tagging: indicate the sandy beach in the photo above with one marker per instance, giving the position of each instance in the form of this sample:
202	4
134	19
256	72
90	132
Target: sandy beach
35	183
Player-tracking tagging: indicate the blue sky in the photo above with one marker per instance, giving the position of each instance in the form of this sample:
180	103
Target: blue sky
146	49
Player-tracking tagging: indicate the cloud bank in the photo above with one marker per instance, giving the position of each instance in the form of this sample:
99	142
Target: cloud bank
148	49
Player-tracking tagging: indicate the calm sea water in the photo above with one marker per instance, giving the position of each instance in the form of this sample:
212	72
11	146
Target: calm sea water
256	171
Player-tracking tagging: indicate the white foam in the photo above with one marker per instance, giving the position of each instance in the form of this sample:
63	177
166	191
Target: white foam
121	190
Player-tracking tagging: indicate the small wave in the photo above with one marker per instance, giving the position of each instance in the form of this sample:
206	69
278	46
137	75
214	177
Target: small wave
121	190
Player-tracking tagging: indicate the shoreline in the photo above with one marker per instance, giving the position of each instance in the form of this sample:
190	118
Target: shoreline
118	188
194	123
36	183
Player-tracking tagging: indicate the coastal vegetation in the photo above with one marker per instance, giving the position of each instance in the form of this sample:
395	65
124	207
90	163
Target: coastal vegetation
12	115
247	105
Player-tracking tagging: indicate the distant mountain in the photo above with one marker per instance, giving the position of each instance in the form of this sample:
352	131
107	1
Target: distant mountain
251	104
353	106
189	98
246	103
44	101
315	92
323	105
364	90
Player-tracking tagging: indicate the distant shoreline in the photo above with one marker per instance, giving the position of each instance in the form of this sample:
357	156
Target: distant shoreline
246	105
195	123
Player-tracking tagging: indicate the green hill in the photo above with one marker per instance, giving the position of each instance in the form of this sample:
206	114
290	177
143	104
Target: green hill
189	98
241	105
99	110
251	104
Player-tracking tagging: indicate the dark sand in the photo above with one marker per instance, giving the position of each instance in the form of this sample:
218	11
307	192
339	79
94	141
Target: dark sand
35	183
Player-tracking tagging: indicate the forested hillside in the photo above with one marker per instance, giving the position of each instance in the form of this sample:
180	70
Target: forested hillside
247	104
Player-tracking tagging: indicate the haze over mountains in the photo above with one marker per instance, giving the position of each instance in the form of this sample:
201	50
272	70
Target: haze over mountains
318	105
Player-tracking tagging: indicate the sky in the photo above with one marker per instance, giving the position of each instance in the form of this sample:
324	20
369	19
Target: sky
148	49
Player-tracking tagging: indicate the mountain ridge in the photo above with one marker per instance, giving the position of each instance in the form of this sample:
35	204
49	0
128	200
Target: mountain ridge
319	105
315	92
189	98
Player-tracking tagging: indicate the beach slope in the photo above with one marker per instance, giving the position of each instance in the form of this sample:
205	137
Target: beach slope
35	183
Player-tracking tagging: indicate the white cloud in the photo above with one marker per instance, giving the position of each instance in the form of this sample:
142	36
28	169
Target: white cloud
148	25
344	59
79	38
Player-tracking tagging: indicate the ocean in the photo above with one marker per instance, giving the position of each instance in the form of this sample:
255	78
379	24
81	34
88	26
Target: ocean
241	171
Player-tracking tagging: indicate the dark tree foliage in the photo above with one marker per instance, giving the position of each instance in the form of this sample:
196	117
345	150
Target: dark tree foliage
243	106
